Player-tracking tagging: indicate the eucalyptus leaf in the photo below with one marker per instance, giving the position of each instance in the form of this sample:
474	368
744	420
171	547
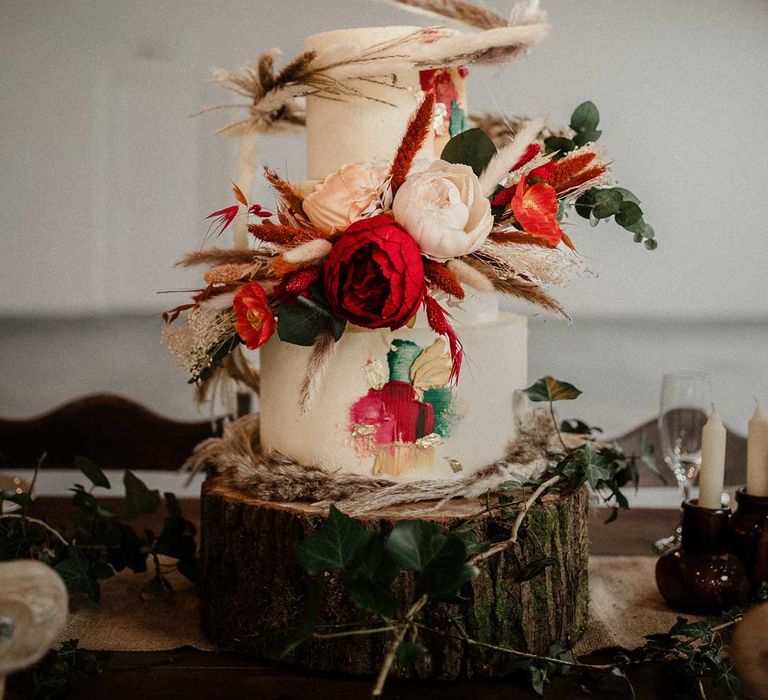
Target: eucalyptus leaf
585	203
551	389
585	117
607	203
299	324
627	195
559	144
472	147
628	214
338	541
338	326
585	137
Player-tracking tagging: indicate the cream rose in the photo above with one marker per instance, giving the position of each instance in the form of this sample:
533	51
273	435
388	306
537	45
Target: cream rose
344	196
443	208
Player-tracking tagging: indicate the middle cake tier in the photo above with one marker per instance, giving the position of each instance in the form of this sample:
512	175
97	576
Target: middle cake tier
386	405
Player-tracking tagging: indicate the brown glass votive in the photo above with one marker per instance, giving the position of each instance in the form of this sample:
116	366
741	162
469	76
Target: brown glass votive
701	575
749	536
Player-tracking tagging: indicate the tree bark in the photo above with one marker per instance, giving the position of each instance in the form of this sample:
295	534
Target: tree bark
254	596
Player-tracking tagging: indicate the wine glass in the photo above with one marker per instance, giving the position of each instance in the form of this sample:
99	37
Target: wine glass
686	398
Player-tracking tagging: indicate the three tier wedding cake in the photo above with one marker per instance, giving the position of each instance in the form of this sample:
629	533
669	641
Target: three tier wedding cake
372	290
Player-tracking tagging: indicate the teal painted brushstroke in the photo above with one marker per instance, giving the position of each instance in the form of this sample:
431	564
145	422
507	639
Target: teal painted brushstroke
441	399
458	119
401	358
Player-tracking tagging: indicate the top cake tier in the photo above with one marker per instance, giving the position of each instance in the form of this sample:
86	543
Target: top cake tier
348	130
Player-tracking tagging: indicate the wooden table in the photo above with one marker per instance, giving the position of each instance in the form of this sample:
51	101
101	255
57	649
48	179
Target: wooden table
189	674
104	428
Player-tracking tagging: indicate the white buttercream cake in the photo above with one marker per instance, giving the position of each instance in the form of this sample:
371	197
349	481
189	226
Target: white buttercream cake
386	406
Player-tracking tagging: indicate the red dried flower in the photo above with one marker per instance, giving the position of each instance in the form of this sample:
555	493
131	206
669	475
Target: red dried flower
223	218
531	152
374	275
255	322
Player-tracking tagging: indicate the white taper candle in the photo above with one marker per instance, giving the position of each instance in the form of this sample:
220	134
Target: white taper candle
757	453
712	475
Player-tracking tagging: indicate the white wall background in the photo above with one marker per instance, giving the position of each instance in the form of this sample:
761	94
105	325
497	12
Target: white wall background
104	180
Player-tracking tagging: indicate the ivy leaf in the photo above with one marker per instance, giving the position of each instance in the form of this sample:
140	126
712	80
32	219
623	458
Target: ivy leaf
550	389
172	504
176	539
415	543
189	568
585	464
299	324
629	213
533	568
585	117
409	652
11	495
126	550
92	471
607	203
448	571
578	427
369	579
472	147
338	541
538	679
138	498
88	504
77	572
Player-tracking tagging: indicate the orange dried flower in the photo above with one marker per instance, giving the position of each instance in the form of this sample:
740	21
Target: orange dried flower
440	276
567	168
414	137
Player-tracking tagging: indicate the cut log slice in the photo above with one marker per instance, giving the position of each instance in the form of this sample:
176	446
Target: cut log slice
254	596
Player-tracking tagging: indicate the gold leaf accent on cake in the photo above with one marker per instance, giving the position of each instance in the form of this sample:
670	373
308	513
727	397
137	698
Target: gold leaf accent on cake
431	440
454	464
432	368
363	430
376	374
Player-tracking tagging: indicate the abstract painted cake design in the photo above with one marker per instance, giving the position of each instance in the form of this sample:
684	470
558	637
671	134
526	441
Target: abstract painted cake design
408	411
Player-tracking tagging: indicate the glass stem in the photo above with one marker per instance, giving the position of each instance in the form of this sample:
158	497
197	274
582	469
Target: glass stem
684	490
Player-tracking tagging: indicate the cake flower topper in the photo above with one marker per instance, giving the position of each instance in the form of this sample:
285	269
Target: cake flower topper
371	246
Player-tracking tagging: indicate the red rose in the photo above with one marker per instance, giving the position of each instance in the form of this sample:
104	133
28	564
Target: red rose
255	322
374	275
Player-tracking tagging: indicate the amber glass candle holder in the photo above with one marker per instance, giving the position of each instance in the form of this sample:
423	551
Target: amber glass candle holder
702	575
749	536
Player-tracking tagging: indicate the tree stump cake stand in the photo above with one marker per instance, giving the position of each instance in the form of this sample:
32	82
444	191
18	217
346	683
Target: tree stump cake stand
254	595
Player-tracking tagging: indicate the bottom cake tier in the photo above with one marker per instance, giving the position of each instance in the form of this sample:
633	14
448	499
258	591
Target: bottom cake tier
386	403
254	597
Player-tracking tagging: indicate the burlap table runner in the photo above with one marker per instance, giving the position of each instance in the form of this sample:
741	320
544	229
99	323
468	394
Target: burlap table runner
624	607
